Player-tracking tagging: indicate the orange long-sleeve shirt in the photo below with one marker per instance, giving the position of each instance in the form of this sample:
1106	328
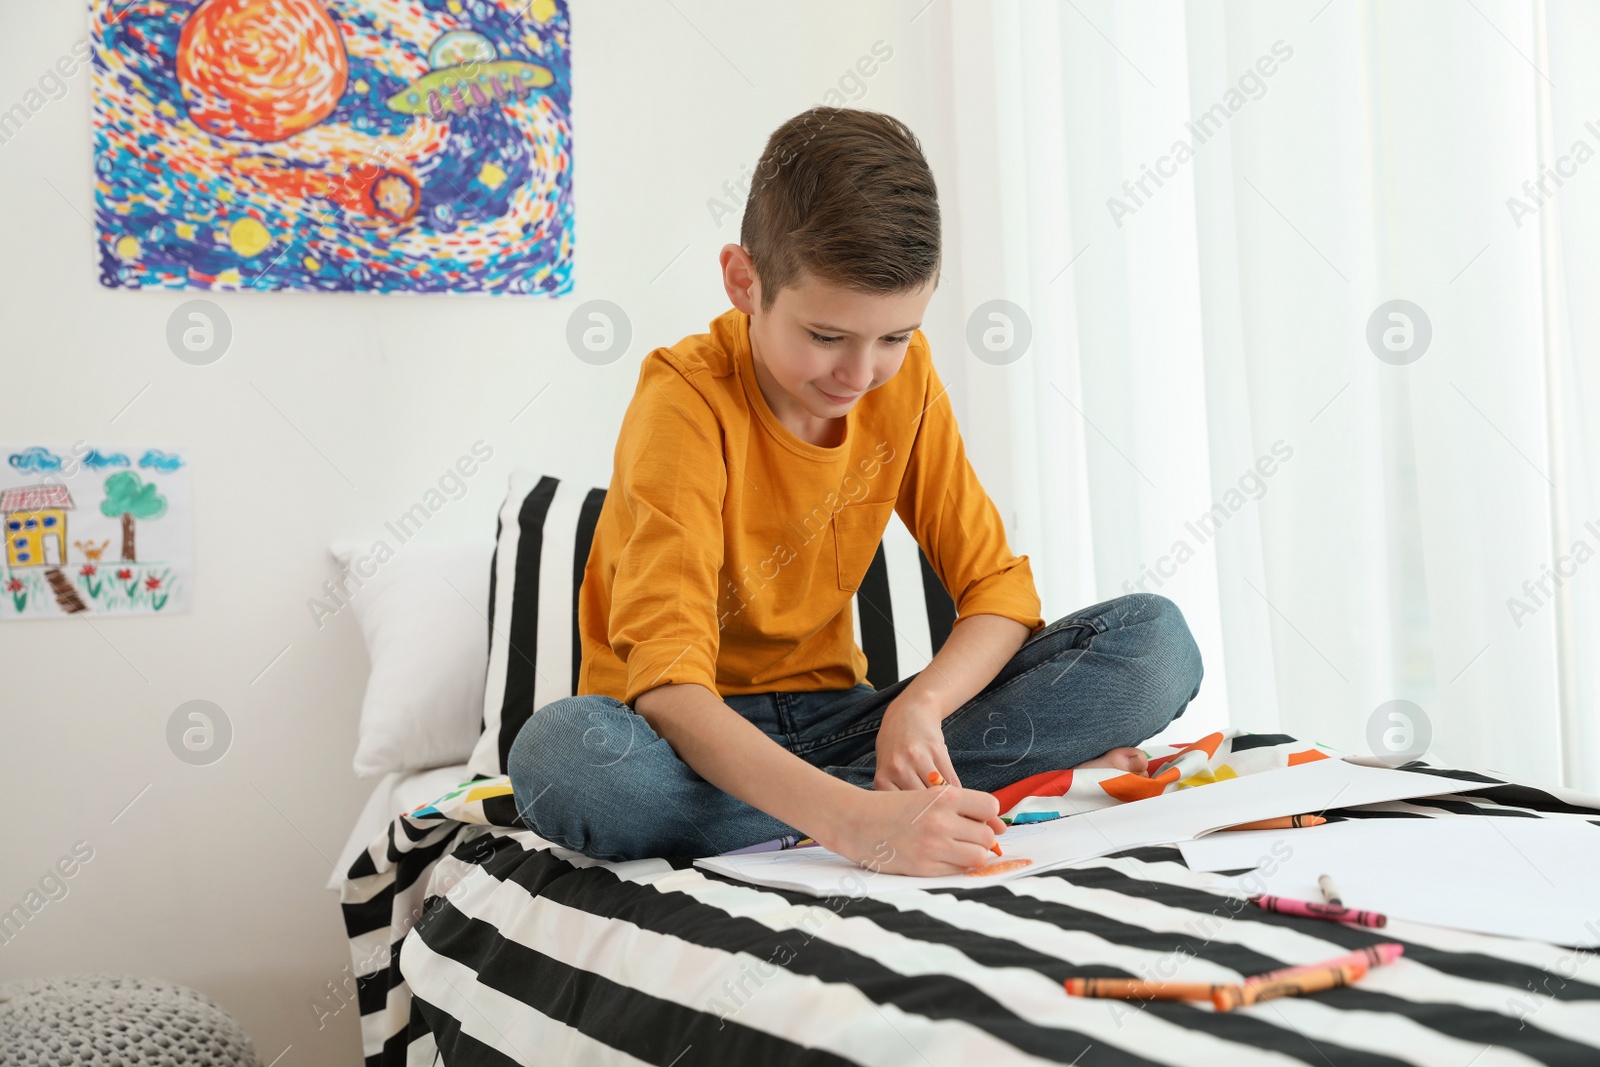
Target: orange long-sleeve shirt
728	548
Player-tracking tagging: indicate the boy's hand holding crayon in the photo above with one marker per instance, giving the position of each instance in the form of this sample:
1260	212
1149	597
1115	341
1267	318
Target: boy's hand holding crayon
936	830
917	819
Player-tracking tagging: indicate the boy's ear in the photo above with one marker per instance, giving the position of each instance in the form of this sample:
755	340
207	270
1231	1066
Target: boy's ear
739	278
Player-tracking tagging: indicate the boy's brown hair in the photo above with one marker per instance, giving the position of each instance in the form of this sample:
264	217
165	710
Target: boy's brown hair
846	197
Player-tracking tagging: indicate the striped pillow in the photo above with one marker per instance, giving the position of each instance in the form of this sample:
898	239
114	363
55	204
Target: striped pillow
902	613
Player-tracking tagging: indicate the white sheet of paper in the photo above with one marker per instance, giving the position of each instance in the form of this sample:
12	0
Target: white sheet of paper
1531	878
1238	850
1178	816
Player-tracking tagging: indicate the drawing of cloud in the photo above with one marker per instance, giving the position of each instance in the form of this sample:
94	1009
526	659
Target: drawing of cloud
155	459
98	460
35	459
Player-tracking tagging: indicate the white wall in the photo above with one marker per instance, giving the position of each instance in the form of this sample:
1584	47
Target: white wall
214	876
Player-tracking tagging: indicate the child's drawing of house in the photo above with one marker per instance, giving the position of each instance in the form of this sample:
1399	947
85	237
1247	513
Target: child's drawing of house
36	525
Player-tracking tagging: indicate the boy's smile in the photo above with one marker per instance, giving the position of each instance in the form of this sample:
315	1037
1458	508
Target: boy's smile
821	347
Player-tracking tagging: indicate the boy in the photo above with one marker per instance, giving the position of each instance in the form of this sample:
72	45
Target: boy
721	695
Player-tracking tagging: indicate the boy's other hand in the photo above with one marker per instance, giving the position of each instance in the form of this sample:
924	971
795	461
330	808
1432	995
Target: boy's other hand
911	747
926	832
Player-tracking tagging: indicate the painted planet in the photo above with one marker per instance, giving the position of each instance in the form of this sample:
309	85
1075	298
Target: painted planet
261	70
248	237
394	195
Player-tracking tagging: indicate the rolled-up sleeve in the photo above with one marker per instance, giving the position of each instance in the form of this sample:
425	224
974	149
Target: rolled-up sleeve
672	476
947	509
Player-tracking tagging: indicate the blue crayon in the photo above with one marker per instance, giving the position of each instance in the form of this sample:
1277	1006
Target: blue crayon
1035	816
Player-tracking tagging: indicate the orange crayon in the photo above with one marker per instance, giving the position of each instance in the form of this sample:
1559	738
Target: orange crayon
1369	957
1311	981
1282	822
1135	989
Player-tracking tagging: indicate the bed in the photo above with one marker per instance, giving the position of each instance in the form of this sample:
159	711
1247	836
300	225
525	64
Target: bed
477	943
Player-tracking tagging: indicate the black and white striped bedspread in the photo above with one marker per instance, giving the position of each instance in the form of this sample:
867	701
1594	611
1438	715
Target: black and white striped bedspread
523	953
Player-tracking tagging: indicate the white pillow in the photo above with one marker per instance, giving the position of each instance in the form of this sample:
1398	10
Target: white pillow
424	614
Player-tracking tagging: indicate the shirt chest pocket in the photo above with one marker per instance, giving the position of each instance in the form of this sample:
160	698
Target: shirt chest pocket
857	530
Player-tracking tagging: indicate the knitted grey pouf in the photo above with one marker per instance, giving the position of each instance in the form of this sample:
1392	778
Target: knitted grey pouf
115	1021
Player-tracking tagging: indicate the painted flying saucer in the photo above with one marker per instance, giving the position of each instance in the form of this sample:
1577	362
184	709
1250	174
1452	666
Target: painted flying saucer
466	76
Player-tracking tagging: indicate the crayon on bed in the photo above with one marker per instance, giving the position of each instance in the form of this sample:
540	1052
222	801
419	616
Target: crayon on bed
1311	909
1330	892
1371	956
935	778
1026	817
1230	997
777	844
1282	822
1136	989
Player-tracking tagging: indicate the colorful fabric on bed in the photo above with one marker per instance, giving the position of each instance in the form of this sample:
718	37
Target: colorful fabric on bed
1214	758
480	943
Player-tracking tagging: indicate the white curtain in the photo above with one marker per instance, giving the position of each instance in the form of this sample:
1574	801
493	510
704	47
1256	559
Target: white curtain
1204	212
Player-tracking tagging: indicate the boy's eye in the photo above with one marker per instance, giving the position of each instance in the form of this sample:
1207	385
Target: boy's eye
826	339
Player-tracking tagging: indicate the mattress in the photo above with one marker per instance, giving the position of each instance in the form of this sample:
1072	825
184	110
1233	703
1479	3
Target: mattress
478	943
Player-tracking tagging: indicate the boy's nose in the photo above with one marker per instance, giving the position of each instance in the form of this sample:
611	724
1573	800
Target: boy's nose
852	378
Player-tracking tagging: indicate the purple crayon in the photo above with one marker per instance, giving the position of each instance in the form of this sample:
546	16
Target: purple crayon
777	844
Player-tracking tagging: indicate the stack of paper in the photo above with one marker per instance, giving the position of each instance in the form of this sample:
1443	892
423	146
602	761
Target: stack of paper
1178	816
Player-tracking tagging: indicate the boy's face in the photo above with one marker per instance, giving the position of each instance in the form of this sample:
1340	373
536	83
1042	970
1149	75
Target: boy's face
822	346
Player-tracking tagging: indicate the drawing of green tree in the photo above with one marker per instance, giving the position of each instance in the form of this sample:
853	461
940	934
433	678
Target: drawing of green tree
132	498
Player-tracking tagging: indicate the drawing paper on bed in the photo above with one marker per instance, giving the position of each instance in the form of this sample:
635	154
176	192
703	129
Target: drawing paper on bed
1180	816
1513	877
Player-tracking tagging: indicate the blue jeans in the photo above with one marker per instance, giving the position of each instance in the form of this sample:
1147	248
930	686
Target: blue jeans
591	775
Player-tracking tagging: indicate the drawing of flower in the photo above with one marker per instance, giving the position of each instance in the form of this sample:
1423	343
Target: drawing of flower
156	602
130	583
19	595
89	581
